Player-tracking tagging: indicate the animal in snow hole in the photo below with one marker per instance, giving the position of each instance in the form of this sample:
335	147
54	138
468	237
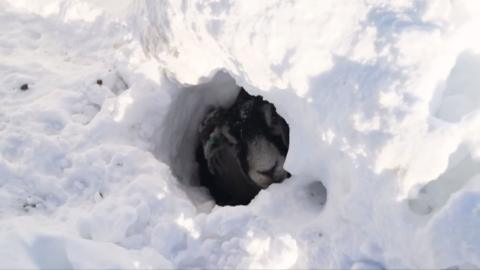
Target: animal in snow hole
242	149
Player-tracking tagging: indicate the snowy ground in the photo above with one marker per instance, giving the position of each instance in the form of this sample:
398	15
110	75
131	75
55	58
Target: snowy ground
382	98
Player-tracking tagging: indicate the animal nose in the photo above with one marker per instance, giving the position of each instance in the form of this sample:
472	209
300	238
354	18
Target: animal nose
281	176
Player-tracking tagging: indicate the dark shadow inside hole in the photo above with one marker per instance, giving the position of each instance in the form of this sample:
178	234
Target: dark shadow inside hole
241	149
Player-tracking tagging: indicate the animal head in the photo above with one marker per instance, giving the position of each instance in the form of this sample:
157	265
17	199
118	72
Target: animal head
265	163
250	132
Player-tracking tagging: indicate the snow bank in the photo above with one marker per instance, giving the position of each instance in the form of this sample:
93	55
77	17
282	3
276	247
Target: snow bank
381	99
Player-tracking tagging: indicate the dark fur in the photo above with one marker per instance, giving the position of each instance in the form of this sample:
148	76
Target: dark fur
245	121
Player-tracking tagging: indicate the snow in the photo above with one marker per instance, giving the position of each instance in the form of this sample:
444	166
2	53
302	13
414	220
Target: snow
381	98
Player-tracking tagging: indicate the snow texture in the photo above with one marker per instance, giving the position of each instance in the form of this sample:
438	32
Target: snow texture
100	101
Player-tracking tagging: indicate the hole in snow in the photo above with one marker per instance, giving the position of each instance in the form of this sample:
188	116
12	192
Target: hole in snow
221	137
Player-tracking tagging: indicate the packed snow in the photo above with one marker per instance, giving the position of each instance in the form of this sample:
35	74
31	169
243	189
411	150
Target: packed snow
100	102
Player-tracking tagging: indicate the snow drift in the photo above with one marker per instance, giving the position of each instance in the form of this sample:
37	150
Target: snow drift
381	98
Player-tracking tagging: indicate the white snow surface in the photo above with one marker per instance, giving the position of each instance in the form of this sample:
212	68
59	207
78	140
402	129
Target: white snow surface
382	99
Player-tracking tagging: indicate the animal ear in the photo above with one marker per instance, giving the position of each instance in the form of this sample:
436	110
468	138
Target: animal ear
243	95
284	131
268	114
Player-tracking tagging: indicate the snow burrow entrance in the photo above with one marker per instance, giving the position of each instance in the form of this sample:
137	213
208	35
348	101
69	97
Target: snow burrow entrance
233	158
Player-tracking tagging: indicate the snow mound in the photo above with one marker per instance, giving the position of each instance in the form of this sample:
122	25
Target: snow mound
95	154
